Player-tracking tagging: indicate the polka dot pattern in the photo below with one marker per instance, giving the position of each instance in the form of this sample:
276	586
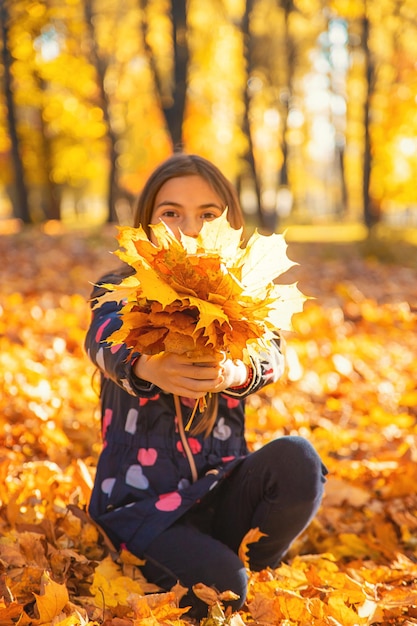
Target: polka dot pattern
147	456
100	359
107	486
131	421
101	328
169	501
143	454
136	478
222	430
107	418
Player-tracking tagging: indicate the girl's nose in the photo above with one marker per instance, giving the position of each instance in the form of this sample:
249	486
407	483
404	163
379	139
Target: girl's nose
191	226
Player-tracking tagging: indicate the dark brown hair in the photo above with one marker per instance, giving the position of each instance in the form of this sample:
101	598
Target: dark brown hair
180	165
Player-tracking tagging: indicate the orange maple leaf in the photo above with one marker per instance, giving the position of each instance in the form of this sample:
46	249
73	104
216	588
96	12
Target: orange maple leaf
203	294
51	600
252	536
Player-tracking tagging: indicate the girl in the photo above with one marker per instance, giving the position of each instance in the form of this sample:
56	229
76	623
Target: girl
184	501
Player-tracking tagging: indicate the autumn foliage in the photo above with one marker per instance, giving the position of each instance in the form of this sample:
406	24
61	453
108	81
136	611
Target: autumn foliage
350	388
203	294
313	92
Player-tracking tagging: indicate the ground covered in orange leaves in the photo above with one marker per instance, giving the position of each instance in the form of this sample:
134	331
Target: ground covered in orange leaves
350	388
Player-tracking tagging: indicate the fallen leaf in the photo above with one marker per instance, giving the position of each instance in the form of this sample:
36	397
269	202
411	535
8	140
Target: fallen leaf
252	536
9	612
351	391
111	587
51	600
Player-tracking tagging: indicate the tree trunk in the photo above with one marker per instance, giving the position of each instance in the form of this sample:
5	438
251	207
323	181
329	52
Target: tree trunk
370	211
174	114
290	62
246	126
52	208
113	187
21	203
340	151
285	99
172	99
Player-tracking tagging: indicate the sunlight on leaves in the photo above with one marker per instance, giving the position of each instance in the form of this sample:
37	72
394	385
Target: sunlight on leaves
51	600
350	390
201	294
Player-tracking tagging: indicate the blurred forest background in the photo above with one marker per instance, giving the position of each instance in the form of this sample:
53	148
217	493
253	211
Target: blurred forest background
308	106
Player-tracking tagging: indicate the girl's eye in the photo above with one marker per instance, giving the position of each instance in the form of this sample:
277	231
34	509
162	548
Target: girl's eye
169	213
209	215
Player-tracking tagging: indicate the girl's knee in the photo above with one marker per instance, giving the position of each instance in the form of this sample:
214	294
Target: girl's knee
297	464
298	451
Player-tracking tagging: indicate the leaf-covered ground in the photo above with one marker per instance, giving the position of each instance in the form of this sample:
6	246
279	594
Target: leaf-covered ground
350	388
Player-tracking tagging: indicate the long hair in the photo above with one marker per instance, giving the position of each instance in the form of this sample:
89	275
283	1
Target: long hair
180	165
177	166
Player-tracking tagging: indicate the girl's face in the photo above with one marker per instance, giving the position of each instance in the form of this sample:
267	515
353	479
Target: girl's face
185	203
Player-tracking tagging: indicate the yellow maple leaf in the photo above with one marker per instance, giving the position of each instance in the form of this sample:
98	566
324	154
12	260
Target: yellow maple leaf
155	608
340	609
219	295
216	236
290	605
263	260
110	585
52	599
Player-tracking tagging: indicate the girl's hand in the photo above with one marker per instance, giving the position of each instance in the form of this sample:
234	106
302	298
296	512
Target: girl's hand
180	374
190	375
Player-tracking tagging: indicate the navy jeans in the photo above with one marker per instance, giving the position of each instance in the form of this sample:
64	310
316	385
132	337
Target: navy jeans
278	489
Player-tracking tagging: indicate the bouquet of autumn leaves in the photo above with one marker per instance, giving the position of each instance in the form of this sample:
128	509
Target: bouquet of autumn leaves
204	294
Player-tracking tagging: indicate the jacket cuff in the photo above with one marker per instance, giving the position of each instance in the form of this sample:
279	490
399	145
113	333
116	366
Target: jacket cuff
138	386
243	390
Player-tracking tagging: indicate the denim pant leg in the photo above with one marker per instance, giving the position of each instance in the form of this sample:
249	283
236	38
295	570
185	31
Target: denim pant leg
278	489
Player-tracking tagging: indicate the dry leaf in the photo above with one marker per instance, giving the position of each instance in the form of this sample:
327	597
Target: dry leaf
262	609
207	594
9	612
110	586
203	294
210	596
353	395
51	600
252	536
179	591
155	607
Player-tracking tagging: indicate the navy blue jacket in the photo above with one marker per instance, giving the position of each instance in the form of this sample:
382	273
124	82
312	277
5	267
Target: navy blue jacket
144	480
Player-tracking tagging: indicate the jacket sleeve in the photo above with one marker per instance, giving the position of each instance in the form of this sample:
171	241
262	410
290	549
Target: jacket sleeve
267	366
114	362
